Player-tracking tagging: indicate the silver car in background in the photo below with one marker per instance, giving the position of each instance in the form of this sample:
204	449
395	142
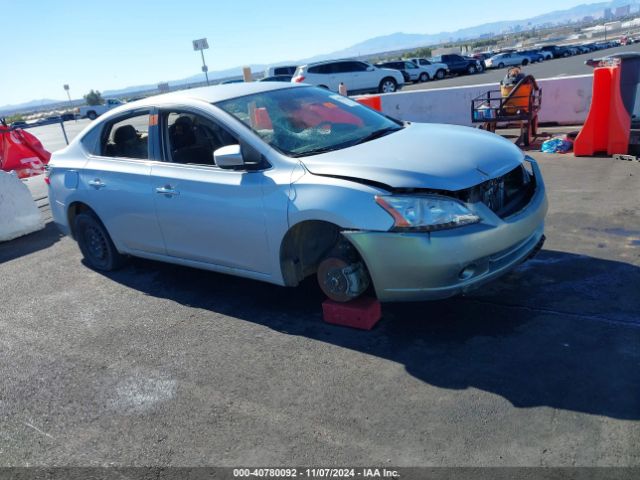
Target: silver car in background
502	60
280	182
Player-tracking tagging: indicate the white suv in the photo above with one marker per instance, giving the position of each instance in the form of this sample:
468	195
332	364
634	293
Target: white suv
357	76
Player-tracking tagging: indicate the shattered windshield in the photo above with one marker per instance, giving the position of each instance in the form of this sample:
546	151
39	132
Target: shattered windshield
308	121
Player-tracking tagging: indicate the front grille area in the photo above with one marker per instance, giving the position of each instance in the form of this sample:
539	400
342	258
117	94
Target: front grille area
504	195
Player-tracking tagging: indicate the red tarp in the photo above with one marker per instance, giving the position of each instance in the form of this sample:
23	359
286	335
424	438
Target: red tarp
22	152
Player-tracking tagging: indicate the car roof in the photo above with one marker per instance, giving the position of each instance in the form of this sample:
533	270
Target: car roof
212	94
323	62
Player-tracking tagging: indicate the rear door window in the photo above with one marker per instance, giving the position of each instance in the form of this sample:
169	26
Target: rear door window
126	137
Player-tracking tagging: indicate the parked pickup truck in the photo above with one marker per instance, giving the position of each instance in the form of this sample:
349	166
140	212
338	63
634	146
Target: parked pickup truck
434	70
459	64
94	111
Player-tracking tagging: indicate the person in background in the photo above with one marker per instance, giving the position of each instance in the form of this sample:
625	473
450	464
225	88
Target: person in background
513	76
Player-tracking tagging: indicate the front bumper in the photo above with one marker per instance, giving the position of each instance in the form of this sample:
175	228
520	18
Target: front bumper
441	264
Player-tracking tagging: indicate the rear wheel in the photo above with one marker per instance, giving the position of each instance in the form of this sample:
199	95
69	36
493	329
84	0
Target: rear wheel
92	115
95	243
471	69
424	77
525	62
440	74
387	85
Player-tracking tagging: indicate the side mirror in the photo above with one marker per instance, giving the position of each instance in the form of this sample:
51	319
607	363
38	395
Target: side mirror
229	157
370	69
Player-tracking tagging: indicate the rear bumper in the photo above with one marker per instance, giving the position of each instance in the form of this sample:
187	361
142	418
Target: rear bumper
436	265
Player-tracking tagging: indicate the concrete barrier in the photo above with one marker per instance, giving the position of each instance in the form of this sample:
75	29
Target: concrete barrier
19	214
565	100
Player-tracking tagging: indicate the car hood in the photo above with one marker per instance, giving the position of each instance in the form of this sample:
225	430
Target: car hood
433	156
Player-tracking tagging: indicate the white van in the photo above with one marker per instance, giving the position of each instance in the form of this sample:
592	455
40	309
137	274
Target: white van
280	70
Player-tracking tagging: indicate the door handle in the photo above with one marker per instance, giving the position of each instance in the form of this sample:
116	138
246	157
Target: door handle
96	183
167	190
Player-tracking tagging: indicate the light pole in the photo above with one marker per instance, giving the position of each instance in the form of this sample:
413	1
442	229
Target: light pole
66	89
202	44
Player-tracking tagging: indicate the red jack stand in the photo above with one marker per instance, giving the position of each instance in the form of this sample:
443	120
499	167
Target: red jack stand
362	313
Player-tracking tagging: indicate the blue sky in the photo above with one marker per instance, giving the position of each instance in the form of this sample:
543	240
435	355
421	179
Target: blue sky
118	43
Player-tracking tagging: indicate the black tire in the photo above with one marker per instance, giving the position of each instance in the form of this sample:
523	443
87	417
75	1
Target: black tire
95	243
388	85
501	65
471	69
440	74
92	115
424	77
525	62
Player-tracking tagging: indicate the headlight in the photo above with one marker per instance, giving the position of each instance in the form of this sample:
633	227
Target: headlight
426	213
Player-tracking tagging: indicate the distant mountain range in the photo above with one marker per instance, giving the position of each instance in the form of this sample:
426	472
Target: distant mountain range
386	43
28	105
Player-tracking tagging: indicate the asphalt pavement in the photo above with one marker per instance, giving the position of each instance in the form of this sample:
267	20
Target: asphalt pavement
52	135
558	67
171	366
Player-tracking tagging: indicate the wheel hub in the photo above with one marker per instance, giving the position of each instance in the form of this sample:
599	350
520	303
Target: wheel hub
96	243
340	280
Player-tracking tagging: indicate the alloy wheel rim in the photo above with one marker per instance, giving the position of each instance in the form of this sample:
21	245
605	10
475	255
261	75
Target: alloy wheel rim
96	244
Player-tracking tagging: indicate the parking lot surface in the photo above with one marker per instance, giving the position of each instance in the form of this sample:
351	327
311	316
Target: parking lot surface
559	67
165	365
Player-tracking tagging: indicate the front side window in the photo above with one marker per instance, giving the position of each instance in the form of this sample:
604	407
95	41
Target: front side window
126	137
308	120
191	138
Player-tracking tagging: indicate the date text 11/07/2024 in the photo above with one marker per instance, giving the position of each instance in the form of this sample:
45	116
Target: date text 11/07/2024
315	472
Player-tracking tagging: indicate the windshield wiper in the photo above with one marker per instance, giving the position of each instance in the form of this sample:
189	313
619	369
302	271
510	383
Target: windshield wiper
329	148
377	134
317	151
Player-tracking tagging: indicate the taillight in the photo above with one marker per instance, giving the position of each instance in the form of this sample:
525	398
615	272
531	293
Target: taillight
299	79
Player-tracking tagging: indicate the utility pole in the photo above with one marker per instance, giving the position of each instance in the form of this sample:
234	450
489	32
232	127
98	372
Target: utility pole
202	44
66	89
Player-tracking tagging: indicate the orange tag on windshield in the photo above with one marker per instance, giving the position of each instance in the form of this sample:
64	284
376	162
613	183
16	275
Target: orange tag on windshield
153	120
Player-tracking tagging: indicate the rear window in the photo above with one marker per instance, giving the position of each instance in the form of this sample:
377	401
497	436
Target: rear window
324	69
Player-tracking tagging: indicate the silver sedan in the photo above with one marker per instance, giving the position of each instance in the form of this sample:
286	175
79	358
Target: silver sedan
507	60
280	182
